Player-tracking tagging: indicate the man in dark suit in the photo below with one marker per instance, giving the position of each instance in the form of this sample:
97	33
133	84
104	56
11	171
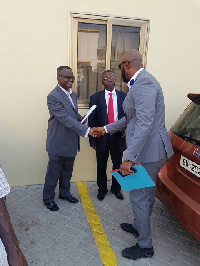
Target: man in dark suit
62	138
109	109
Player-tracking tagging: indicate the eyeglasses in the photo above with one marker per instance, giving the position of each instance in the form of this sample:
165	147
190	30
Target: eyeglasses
109	78
68	77
119	66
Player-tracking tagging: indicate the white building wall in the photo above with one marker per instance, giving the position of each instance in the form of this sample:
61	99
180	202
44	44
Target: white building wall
34	43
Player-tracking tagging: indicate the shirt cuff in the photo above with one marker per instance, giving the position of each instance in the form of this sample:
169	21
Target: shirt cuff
105	129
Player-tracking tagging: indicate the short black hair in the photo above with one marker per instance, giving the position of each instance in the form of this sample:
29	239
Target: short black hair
60	68
107	71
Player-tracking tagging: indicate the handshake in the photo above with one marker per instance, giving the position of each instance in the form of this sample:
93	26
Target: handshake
97	132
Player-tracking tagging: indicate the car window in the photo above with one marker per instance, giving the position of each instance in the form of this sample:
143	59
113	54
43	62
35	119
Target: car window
187	126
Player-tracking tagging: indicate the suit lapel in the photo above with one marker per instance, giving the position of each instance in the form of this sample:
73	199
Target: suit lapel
140	74
64	95
119	104
103	105
73	96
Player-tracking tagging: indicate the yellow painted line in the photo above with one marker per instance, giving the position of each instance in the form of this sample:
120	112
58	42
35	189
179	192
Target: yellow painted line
106	253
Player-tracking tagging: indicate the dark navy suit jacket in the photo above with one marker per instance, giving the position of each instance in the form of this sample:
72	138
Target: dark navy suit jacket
99	118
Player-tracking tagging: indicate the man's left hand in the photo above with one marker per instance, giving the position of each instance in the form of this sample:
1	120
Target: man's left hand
125	168
94	133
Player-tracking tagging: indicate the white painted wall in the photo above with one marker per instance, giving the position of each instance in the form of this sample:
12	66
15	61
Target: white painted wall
34	43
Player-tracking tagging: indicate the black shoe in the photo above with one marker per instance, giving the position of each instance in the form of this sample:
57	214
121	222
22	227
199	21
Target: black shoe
129	229
118	195
70	199
52	206
137	252
100	196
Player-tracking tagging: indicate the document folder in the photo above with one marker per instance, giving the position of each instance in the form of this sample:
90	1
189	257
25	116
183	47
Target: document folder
88	113
139	179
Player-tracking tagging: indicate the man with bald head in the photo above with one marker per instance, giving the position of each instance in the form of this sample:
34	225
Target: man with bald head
147	142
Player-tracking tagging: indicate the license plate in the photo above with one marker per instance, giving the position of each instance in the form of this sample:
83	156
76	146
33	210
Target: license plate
189	165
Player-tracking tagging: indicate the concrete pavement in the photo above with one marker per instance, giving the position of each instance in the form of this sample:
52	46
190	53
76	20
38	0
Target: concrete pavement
65	238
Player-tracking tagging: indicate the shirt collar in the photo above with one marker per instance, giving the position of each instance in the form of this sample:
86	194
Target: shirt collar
134	77
65	91
107	92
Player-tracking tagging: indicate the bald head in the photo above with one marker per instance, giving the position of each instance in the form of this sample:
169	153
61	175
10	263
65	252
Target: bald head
134	57
131	62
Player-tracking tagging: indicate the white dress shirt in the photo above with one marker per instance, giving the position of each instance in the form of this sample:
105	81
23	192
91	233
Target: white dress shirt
134	77
69	92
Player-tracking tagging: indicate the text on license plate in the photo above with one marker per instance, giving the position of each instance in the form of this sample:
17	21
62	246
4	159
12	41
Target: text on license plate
189	165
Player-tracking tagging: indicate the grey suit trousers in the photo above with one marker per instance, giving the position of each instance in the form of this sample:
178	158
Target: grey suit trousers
142	202
59	168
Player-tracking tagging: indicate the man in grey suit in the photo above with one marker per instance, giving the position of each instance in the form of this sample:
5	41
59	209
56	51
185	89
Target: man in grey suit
63	132
147	142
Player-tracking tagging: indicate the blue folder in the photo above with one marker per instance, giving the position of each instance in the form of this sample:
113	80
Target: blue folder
137	180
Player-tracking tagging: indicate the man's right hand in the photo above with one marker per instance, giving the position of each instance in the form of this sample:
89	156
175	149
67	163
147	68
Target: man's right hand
101	130
97	132
94	133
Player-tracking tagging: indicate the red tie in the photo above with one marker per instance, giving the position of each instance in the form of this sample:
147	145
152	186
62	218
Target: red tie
110	110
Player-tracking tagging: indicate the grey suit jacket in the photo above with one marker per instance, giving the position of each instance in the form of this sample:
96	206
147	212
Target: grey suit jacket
146	134
63	125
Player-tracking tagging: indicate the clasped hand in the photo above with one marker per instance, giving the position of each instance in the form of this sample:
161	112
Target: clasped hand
97	132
